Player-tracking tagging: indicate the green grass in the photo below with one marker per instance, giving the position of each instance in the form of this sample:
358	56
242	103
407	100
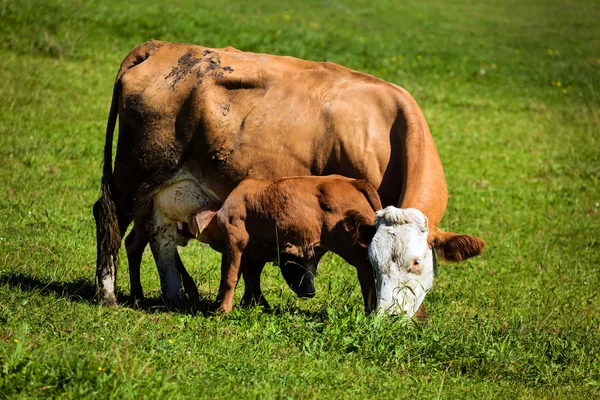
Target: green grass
522	160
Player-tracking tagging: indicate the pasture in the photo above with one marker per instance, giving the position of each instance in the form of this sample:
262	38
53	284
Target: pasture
510	92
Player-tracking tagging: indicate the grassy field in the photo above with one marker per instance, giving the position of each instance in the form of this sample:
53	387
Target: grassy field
510	91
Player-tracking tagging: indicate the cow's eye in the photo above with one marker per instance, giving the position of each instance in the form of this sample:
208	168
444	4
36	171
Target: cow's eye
416	264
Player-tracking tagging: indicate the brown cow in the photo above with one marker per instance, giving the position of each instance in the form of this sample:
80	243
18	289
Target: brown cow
218	116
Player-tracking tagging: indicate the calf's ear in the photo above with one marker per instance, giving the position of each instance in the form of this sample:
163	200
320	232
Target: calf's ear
454	247
359	227
199	220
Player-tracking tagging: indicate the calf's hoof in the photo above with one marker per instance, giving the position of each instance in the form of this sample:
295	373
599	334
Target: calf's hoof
306	295
225	309
253	301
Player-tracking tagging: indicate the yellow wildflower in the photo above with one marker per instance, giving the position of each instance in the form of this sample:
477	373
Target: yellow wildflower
550	51
565	91
170	341
16	340
286	17
419	57
558	84
100	369
517	51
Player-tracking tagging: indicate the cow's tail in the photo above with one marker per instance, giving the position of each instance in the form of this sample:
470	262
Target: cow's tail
370	193
108	235
106	214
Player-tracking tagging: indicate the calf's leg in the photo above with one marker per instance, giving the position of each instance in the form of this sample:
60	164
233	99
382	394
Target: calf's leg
237	240
251	271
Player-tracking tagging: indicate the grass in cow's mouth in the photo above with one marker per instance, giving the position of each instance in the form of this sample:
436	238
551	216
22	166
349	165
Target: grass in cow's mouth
510	94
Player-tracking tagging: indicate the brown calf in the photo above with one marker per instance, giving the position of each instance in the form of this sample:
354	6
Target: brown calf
301	217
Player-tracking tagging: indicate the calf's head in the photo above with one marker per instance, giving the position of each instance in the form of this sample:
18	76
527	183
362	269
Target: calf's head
401	253
299	276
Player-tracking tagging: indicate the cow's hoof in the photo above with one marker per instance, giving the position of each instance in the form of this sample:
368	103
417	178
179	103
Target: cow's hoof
107	300
174	304
136	301
225	308
194	297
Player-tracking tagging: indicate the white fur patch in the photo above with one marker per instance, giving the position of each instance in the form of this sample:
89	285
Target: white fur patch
180	199
402	260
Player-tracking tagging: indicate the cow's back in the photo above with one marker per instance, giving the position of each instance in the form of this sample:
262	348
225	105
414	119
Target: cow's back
219	116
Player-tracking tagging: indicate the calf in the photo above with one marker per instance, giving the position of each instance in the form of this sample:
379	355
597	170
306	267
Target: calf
300	217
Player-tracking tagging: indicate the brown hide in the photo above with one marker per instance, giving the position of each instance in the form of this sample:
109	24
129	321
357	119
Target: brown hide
222	116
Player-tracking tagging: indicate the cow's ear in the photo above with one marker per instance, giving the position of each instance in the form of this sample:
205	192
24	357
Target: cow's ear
200	220
359	227
454	247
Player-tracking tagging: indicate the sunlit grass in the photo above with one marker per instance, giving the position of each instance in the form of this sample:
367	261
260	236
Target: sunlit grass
510	93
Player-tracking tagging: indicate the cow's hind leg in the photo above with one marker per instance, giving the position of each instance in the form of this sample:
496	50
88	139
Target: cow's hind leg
112	219
191	290
135	243
163	243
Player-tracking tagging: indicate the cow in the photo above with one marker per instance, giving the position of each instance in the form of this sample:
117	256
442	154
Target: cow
218	116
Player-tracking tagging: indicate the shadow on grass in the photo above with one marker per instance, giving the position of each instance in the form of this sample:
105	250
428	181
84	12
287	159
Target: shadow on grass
81	290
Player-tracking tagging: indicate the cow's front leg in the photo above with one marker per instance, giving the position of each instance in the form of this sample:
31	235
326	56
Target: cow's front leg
252	270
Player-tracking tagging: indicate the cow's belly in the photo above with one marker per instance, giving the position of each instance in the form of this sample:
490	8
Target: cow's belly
179	200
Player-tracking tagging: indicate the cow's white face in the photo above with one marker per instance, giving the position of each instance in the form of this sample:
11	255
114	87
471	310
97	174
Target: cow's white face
402	260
